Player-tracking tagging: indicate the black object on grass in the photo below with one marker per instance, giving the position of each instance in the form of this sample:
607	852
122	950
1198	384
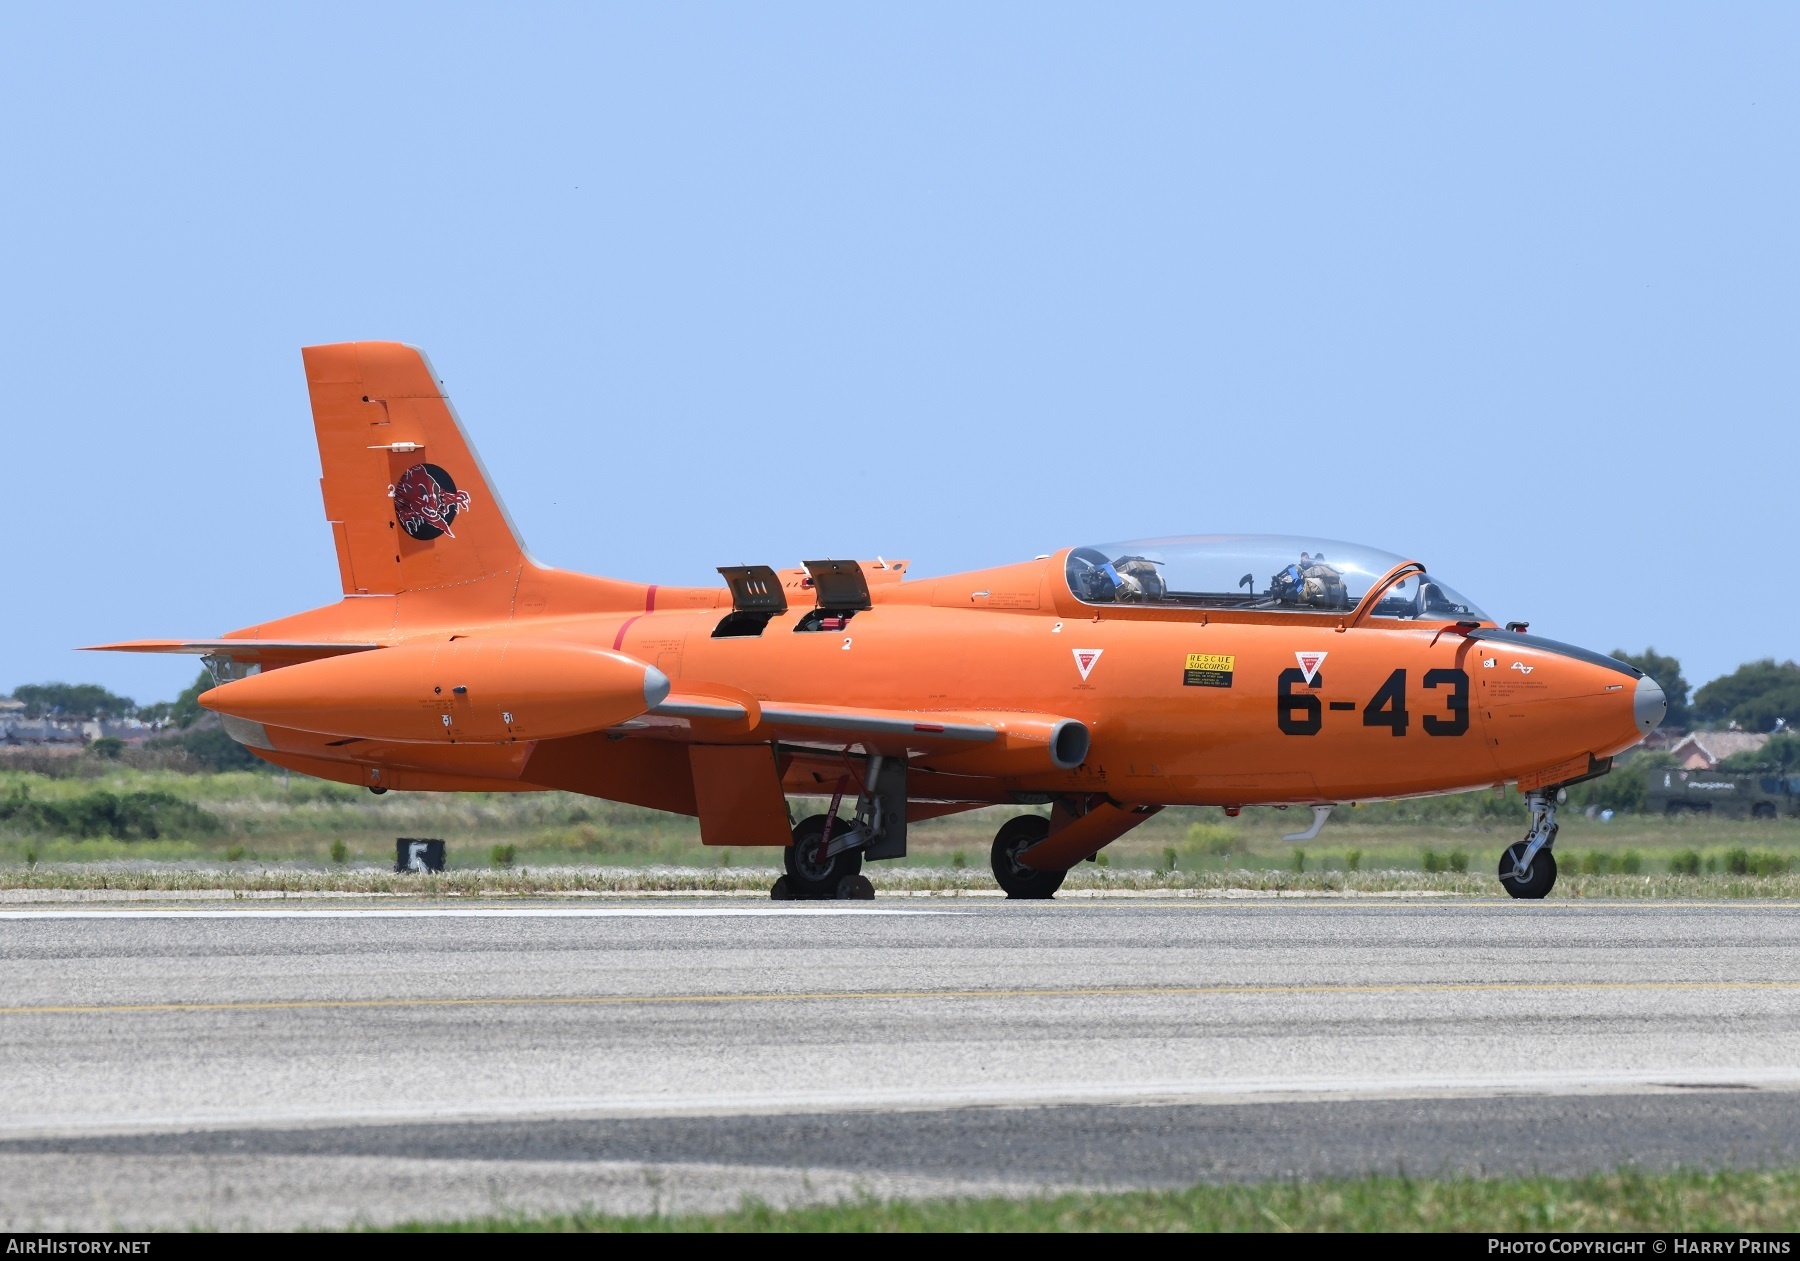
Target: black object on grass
413	853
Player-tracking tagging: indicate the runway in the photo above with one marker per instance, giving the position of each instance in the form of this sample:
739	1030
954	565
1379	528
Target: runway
274	1067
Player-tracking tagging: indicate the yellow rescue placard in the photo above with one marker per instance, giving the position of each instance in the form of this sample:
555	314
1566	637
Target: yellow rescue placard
1208	669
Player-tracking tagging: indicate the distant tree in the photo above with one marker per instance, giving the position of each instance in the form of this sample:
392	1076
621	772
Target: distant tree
186	711
1781	753
125	816
1666	671
212	750
1622	788
73	700
1755	696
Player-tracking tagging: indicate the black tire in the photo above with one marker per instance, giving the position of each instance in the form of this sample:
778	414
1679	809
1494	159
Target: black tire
1763	810
1539	877
855	889
779	891
1018	880
808	877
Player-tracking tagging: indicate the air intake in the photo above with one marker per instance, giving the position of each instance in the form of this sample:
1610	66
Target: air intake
1069	744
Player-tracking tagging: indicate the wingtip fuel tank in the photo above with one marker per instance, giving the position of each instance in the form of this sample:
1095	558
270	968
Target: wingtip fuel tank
464	690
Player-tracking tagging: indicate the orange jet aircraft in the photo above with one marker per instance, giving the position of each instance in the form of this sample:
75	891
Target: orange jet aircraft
1105	682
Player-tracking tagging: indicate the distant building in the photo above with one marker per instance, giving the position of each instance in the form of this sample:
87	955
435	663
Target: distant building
18	731
39	731
1704	750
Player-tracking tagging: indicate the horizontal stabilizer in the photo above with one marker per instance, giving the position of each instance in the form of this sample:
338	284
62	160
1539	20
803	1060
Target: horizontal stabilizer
287	650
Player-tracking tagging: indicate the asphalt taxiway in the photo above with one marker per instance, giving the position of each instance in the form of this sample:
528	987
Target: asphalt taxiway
173	1065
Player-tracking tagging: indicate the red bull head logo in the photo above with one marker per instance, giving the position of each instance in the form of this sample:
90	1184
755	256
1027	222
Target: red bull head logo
426	501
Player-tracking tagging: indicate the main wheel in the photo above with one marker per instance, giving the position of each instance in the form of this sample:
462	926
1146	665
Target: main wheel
810	876
1538	877
1018	880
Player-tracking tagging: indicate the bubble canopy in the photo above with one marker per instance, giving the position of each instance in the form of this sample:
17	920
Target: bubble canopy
1258	572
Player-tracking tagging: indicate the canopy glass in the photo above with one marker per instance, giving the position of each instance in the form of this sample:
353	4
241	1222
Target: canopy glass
1265	572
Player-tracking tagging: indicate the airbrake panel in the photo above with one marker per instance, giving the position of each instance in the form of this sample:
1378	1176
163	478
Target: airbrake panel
754	589
841	584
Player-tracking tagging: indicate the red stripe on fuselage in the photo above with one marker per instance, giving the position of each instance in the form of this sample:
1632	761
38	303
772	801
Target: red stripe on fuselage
620	637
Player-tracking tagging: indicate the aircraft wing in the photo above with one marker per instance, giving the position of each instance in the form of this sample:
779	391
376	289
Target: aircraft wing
1026	739
289	651
887	722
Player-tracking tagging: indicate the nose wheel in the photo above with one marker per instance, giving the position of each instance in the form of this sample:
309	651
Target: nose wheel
1018	880
1537	878
1528	868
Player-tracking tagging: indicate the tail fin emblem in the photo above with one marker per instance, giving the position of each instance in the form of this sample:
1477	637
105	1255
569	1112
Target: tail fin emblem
426	501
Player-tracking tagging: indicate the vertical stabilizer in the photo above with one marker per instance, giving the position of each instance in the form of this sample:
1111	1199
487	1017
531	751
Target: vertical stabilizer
409	503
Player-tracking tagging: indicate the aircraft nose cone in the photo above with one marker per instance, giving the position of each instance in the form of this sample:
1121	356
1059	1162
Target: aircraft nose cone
1649	705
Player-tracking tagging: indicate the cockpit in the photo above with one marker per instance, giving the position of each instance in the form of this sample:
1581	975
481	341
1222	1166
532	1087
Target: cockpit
1258	572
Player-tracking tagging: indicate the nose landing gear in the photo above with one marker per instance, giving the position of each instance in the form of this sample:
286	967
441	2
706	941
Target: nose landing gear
1528	868
1014	877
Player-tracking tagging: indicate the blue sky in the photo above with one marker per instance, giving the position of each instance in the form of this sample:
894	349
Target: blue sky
1514	289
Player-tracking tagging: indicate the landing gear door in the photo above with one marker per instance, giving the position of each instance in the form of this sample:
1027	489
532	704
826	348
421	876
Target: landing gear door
889	791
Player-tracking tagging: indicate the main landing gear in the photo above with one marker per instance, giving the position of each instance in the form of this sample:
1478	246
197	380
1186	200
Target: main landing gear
825	861
823	868
1528	868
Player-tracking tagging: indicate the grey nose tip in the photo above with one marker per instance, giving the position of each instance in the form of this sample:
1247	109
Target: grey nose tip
656	687
1649	705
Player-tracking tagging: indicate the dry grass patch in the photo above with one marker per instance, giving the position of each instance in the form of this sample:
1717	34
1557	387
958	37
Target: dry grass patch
754	881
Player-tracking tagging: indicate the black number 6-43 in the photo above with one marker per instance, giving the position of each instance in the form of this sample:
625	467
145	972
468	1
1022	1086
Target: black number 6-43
1298	713
1456	704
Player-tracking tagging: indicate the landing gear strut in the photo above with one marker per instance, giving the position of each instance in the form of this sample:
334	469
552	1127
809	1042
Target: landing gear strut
826	858
1528	868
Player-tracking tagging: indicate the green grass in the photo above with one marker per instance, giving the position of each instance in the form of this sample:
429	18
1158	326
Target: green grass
1627	1201
262	820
